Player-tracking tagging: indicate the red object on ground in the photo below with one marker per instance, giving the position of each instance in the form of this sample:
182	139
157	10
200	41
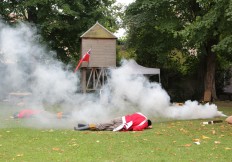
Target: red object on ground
139	122
26	113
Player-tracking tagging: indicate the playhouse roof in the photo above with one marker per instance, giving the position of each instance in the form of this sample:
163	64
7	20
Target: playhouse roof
98	31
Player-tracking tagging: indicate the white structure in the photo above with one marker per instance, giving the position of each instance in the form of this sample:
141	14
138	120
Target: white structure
138	69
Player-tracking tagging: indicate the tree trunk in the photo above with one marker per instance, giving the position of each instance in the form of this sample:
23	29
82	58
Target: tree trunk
209	80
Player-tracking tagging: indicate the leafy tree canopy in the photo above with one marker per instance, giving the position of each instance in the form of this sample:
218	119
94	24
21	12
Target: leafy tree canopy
62	22
161	29
157	27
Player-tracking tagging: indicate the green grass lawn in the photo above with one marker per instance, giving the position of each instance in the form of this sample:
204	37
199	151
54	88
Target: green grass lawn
169	141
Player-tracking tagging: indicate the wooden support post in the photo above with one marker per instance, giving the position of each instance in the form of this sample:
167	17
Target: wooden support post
83	80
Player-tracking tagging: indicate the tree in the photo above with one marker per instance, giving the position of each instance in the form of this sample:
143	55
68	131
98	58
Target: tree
207	32
157	28
62	22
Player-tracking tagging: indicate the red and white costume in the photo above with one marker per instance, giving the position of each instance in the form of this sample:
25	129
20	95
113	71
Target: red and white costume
26	113
133	122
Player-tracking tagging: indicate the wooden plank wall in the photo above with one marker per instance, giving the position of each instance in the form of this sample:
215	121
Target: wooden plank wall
103	52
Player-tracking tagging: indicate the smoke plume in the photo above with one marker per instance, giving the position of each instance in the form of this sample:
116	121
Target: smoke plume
28	67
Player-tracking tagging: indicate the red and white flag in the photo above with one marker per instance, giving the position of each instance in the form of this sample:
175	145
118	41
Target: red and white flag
85	57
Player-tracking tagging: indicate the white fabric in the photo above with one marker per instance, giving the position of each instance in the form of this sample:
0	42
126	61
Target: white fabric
124	119
142	122
129	124
141	115
124	124
118	128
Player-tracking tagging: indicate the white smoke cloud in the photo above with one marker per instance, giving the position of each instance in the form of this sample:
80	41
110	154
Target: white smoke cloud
129	91
34	69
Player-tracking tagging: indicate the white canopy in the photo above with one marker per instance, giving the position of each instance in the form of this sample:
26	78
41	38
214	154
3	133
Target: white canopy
138	69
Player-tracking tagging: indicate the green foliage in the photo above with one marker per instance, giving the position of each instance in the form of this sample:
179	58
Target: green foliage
208	24
163	32
223	74
62	22
123	52
159	27
152	36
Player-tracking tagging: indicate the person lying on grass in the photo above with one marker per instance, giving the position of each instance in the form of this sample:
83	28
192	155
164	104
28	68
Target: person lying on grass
132	122
29	113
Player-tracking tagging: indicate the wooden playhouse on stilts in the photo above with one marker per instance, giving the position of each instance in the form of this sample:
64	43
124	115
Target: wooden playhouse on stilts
103	56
